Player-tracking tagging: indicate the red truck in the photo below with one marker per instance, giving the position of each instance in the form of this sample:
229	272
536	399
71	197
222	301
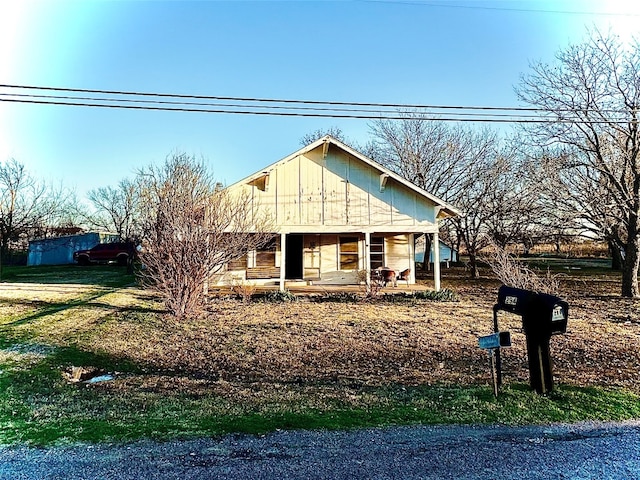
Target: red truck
118	252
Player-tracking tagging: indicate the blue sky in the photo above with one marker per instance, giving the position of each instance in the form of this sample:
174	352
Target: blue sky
457	52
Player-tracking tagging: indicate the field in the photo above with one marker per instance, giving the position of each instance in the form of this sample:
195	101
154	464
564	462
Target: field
329	361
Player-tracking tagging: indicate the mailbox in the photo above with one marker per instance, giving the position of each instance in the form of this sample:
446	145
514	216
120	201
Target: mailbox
543	315
551	313
514	300
495	340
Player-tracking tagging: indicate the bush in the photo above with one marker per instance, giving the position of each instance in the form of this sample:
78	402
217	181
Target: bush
444	295
339	297
280	296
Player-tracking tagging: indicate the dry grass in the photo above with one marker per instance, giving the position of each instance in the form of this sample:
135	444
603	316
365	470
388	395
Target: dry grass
372	344
334	345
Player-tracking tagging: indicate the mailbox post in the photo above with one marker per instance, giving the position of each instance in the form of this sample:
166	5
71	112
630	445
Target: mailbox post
492	344
542	315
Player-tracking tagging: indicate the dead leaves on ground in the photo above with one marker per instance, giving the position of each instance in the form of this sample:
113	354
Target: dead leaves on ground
370	344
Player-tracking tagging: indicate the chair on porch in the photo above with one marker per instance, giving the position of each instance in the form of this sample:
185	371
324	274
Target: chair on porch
404	275
384	275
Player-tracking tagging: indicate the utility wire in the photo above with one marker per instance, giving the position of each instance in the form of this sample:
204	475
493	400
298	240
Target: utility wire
400	116
270	101
265	100
290	107
236	105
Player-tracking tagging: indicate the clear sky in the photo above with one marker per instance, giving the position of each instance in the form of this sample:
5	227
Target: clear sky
456	52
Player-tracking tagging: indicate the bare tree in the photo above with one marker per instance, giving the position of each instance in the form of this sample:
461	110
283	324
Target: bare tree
464	167
334	131
117	209
590	98
191	229
493	203
515	274
27	207
430	153
515	202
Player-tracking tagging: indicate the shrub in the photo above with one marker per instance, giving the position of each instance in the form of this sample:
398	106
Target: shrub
444	295
339	297
279	296
242	289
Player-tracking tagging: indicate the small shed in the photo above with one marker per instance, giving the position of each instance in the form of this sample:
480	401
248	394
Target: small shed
447	252
59	250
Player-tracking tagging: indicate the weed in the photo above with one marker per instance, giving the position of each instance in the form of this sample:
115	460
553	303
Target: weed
279	296
339	297
444	295
243	289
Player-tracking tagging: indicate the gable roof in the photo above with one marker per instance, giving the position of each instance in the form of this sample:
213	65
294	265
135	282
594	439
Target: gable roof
446	210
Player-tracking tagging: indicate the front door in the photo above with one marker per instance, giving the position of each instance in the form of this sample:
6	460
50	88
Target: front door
293	257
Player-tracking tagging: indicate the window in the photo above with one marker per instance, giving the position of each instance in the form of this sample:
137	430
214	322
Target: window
348	253
266	255
238	263
377	252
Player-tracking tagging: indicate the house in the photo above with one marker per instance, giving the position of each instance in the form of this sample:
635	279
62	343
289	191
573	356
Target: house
59	250
338	215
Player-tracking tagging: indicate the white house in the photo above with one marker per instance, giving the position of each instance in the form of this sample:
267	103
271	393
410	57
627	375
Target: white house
336	213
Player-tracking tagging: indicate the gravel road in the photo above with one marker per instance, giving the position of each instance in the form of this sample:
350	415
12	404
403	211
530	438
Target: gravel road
580	451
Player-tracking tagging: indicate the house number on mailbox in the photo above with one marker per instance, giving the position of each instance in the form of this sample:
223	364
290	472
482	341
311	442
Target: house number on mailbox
513	301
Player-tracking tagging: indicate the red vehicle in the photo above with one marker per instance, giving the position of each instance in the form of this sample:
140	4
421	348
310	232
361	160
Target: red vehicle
118	252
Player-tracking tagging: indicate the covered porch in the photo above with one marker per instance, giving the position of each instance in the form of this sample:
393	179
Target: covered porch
310	261
304	289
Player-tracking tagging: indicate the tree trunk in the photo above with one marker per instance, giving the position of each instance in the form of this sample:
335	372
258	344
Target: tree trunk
457	252
630	268
616	256
427	252
473	266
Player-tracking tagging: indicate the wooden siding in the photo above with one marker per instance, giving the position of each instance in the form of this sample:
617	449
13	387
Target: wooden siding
315	194
398	252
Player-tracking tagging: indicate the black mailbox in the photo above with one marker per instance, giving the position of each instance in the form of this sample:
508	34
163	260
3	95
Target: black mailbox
542	315
514	300
552	313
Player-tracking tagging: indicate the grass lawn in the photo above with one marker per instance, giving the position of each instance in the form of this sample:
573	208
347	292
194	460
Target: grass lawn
261	366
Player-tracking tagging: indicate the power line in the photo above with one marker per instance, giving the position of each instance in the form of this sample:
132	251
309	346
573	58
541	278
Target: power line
400	116
236	105
265	100
503	9
290	107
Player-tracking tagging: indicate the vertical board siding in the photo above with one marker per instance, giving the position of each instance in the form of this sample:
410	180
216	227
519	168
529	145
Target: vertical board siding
288	191
397	252
359	187
311	259
328	253
337	190
404	206
311	177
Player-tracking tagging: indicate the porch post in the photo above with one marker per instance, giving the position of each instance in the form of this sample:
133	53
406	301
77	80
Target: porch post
367	258
436	261
412	258
283	263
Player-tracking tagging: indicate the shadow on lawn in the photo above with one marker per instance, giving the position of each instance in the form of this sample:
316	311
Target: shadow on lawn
102	275
47	308
73	355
